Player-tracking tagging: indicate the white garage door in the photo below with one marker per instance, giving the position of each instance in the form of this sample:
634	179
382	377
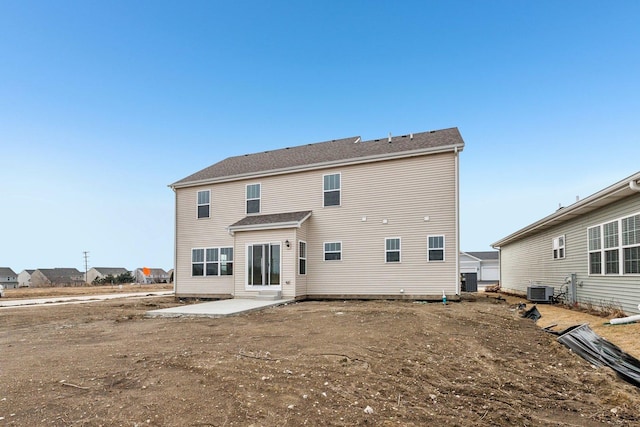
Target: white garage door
490	273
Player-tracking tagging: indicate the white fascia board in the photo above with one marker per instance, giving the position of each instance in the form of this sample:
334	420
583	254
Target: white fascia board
270	226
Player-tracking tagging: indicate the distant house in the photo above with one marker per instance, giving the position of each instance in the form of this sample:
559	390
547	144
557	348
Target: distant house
155	275
46	277
486	265
344	218
591	246
8	278
24	278
102	272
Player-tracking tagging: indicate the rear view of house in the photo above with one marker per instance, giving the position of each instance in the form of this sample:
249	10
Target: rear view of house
339	219
591	249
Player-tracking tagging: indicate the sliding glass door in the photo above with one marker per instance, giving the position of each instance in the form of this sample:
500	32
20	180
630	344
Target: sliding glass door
263	264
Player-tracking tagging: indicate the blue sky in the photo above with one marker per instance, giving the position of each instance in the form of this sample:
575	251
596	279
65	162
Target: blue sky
105	103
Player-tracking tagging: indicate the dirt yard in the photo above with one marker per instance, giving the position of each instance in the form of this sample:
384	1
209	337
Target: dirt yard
379	363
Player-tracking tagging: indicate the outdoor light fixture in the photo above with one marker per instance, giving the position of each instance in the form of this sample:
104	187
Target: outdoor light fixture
287	243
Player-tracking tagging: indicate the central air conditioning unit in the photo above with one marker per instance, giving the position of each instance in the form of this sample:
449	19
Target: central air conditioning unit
540	293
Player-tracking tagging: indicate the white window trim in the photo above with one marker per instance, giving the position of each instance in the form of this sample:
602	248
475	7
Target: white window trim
198	204
443	248
556	246
620	248
335	189
247	199
250	287
204	261
399	250
306	264
324	252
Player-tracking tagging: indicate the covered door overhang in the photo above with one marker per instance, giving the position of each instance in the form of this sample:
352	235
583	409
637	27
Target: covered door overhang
270	221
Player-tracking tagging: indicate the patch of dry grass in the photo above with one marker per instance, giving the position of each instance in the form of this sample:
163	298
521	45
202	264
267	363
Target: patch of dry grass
83	290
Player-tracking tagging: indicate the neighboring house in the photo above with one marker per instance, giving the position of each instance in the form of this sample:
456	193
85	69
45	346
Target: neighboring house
45	277
154	275
486	265
8	278
101	272
593	246
24	278
337	219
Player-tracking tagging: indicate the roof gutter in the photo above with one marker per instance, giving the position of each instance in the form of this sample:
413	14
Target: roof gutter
323	165
633	184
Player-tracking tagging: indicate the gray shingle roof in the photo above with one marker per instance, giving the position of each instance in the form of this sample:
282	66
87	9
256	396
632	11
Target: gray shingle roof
59	273
271	220
114	271
7	272
485	255
324	153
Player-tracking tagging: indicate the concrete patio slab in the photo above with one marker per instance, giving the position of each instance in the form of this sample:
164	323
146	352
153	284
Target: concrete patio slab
214	309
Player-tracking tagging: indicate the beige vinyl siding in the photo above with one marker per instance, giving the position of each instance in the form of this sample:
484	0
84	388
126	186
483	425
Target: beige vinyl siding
204	233
402	191
530	260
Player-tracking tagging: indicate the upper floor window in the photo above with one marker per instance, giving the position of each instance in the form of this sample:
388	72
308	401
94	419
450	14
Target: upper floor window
392	249
253	198
302	257
435	248
558	247
204	203
333	251
332	189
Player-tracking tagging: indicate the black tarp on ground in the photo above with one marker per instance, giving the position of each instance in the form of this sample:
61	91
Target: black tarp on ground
600	352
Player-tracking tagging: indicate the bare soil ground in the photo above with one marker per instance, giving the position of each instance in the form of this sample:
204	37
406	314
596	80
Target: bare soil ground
382	363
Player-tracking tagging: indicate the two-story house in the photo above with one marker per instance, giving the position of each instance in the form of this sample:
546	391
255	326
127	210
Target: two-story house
8	278
339	219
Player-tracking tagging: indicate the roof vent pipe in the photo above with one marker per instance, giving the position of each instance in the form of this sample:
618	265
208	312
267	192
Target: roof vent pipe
411	135
634	185
389	137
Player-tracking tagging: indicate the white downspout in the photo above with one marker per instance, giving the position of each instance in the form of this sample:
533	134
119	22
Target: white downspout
634	185
455	159
175	242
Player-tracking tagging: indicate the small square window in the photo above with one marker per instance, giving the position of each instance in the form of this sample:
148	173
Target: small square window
333	251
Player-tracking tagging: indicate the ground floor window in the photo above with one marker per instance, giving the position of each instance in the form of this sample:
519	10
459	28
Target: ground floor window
435	248
614	246
332	251
212	261
302	257
392	249
558	247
